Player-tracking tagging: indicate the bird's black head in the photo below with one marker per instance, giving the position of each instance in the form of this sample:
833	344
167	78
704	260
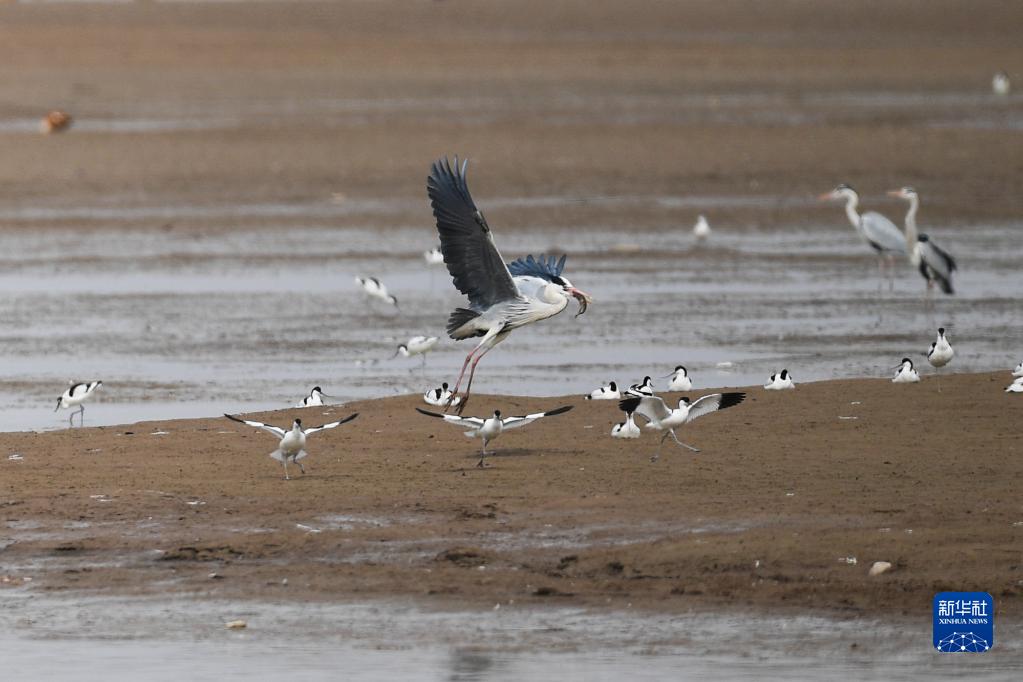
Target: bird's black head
680	368
614	386
922	237
683	400
497	413
941	331
784	374
299	422
646	380
843	187
905	360
317	389
444	386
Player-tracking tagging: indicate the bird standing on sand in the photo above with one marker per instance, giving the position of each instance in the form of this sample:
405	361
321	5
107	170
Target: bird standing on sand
905	374
75	396
292	445
933	262
609	392
880	233
659	416
316	398
1018	370
680	380
627	429
439	396
780	382
941	352
497	303
1016	386
489	428
374	288
701	230
643	389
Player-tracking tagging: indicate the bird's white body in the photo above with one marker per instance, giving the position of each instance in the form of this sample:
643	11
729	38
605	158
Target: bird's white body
934	263
440	396
662	418
640	390
489	428
782	381
905	373
75	396
434	256
881	234
609	392
701	230
627	429
941	352
1016	386
1018	370
291	447
1000	84
374	288
680	380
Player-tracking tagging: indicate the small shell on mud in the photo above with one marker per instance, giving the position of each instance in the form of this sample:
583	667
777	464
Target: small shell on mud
236	625
879	567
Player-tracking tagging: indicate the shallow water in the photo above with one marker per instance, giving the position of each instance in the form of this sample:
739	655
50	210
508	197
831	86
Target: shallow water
186	323
163	639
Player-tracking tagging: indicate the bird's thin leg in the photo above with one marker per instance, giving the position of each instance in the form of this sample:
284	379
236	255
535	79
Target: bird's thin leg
81	415
880	272
300	467
891	273
472	373
685	445
657	455
465	364
285	463
482	454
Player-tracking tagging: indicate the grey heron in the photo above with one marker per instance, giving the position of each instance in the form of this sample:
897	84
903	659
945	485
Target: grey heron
934	263
75	396
292	445
498	304
659	416
880	233
489	428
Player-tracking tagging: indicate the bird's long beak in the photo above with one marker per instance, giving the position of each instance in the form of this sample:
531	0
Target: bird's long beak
584	299
897	193
666	376
827	196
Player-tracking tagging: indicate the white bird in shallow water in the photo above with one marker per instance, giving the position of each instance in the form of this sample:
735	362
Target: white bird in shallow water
880	233
1016	386
498	304
609	392
292	445
439	396
933	262
627	429
780	382
646	388
75	396
434	256
1018	371
1000	84
316	398
490	428
906	374
374	288
417	345
701	230
659	416
680	380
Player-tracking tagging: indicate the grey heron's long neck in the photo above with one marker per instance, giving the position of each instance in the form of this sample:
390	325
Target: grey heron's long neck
850	210
911	232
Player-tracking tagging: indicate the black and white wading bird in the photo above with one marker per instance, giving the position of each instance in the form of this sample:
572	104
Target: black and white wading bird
680	380
782	381
645	388
292	445
627	429
439	396
880	233
316	398
659	416
940	353
1018	370
489	428
374	288
905	374
608	392
75	396
933	262
417	345
498	303
1016	386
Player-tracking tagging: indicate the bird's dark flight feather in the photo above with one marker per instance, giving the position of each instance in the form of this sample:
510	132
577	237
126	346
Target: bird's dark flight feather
546	267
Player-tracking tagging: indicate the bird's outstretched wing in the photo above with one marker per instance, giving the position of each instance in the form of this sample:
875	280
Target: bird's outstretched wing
516	422
465	422
546	267
712	403
651	407
276	430
331	425
472	258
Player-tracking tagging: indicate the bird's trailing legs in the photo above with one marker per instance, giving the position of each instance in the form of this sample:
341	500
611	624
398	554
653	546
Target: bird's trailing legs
483	454
491	339
670	432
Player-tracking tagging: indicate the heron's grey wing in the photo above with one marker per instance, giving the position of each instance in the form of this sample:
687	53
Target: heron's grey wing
515	422
472	258
651	407
713	403
464	422
882	233
529	286
331	425
937	259
276	430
